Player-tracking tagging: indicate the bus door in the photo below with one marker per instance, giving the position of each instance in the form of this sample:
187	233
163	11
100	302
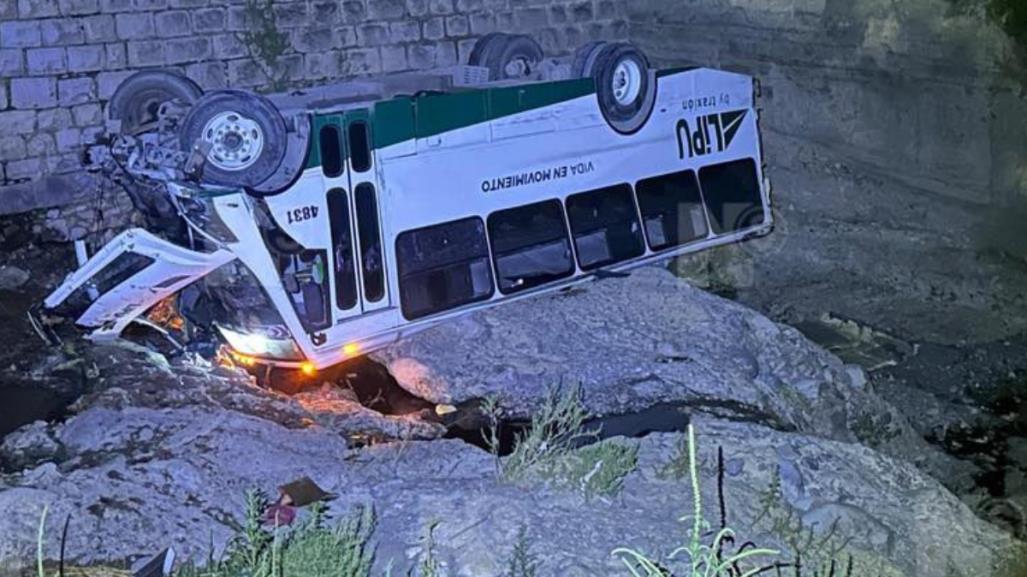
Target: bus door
364	201
348	168
331	146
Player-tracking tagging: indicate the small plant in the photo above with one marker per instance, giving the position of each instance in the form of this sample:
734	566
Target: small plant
428	565
493	412
677	467
319	551
556	430
702	560
598	470
40	541
310	549
265	42
814	554
522	562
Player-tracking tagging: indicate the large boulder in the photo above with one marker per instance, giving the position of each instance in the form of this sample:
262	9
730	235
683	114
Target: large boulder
649	339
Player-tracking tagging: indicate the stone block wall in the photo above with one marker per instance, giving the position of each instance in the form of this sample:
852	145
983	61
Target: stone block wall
61	60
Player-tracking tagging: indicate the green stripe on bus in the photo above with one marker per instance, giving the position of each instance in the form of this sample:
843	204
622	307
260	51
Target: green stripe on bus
404	118
665	72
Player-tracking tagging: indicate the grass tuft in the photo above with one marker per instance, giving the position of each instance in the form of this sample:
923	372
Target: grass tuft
522	562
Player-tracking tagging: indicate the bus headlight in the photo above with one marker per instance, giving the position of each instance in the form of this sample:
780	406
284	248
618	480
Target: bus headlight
261	346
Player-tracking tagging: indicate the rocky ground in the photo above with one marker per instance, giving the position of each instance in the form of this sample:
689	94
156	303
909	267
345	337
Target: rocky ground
161	452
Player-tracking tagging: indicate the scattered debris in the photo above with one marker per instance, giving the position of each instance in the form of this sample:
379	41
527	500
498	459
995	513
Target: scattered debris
302	492
160	565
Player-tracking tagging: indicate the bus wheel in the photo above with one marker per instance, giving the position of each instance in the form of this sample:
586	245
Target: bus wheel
138	98
625	87
512	57
585	57
484	47
245	134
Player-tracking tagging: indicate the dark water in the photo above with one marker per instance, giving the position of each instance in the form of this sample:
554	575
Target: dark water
470	425
20	405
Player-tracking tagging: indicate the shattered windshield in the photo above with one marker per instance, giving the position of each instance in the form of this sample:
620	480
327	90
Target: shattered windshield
232	300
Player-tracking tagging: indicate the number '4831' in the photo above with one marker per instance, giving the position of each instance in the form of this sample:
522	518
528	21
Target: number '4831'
301	214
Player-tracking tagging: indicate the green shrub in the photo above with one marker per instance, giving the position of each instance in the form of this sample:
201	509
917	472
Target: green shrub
310	549
556	430
319	551
598	469
556	447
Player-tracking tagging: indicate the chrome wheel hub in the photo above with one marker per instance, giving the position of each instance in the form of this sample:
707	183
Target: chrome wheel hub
627	82
235	141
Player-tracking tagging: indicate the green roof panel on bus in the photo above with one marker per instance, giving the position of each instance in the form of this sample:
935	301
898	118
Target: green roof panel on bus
393	121
438	113
405	118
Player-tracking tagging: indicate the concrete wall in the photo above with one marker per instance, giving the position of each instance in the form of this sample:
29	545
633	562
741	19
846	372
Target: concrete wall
894	134
60	60
899	88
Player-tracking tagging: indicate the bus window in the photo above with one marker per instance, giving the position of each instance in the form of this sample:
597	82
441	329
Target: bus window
442	267
370	242
605	226
732	193
331	150
342	250
530	245
359	146
672	209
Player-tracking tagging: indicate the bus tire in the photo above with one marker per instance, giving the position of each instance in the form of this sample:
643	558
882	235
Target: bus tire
625	87
245	131
137	99
585	57
517	56
483	47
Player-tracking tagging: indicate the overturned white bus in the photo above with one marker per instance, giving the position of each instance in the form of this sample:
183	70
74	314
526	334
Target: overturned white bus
313	227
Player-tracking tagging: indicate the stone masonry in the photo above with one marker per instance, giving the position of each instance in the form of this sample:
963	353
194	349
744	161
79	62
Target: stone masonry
61	60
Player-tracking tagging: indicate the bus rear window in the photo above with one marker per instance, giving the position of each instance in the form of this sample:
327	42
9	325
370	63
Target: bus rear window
672	209
370	242
732	193
342	250
530	245
359	146
443	267
605	226
331	150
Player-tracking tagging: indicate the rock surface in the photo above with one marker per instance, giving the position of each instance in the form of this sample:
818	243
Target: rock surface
135	480
650	338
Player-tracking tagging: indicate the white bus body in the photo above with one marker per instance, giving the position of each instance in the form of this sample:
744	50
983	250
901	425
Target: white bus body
413	210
